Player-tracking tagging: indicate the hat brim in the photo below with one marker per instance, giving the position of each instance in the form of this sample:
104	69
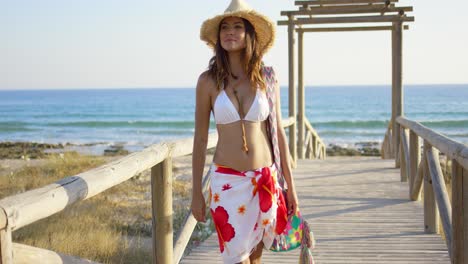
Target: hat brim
264	28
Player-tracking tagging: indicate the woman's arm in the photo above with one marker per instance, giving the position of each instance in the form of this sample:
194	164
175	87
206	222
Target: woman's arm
200	141
284	155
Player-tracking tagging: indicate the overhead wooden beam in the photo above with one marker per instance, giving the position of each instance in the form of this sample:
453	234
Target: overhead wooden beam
351	9
336	29
339	2
353	19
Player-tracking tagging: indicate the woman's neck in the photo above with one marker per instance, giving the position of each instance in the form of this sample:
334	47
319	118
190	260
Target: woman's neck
236	65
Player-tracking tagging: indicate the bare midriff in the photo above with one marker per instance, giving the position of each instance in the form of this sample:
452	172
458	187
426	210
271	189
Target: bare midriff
229	150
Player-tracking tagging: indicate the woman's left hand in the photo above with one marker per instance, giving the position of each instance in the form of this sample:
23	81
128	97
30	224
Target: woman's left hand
292	202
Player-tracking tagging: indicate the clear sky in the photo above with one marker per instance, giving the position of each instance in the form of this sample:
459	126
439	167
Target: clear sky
148	43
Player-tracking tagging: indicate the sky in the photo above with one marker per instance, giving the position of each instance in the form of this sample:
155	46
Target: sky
65	44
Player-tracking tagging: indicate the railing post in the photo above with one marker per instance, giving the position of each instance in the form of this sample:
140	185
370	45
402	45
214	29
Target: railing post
459	213
403	155
161	200
397	89
292	90
300	95
415	159
431	211
6	243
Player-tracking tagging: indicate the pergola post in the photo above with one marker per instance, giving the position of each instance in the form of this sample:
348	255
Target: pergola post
300	95
291	88
397	89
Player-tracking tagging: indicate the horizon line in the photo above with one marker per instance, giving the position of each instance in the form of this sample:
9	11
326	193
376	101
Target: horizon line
186	87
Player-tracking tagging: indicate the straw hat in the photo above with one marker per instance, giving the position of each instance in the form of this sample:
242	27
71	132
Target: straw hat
264	27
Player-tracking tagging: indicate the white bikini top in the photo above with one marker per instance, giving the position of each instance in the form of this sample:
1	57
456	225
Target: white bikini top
225	112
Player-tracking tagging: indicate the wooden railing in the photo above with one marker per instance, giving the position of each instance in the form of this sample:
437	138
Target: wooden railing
417	167
26	208
314	146
387	150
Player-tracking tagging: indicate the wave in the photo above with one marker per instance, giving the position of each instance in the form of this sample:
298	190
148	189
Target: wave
367	124
124	124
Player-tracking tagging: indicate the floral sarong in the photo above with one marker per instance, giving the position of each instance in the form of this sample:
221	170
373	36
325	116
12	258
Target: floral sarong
247	207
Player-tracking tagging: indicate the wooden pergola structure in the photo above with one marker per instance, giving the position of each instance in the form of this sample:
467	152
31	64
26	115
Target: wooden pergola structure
311	16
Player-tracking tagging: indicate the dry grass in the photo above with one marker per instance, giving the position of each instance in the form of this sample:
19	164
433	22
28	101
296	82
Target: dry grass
95	229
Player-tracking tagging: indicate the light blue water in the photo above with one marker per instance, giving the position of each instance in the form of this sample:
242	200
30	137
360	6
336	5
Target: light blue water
140	117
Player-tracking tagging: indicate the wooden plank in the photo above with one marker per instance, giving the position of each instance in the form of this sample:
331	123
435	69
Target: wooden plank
359	213
451	148
338	2
161	200
349	19
440	191
347	29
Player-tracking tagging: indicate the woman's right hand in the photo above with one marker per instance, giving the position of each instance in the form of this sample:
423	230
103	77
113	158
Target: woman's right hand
198	206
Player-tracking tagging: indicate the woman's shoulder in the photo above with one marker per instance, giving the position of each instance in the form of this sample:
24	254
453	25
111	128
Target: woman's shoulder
206	81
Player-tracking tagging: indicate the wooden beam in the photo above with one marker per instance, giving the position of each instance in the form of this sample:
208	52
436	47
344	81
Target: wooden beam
292	90
404	155
349	19
350	9
417	184
25	254
340	2
431	211
300	95
440	191
338	29
451	148
161	200
459	213
415	160
397	92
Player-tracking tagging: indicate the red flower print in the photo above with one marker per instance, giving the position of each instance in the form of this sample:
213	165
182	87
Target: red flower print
227	170
227	186
256	226
281	214
241	209
216	197
266	189
225	230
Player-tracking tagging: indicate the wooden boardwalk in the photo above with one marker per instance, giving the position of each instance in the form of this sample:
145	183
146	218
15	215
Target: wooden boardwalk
360	213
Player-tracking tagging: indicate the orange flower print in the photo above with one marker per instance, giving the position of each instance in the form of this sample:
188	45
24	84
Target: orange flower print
254	183
216	198
241	209
265	222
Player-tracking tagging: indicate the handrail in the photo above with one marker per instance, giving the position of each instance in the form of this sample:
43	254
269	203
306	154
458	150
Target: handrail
452	148
427	169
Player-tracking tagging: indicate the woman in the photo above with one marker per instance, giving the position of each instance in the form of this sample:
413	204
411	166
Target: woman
246	202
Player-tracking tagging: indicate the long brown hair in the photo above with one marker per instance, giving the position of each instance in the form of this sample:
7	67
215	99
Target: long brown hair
220	70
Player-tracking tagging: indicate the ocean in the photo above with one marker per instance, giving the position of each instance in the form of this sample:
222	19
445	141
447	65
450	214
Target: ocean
136	118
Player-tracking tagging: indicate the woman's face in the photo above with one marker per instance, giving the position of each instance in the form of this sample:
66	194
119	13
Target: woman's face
232	34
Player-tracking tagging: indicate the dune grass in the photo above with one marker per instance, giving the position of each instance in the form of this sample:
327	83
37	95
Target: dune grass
98	228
